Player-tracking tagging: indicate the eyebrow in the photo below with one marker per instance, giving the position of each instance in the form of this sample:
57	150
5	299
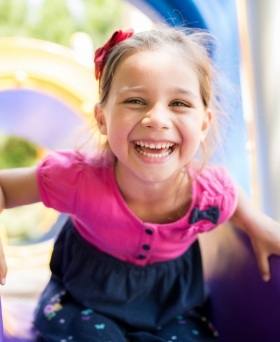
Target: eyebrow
140	89
185	91
125	89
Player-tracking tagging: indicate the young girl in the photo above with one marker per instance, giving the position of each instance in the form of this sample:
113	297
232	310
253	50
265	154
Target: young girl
127	264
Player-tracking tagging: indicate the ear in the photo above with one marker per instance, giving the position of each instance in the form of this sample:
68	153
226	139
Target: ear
99	117
206	123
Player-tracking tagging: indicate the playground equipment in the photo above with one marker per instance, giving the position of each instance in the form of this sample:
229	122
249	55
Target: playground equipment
241	306
45	94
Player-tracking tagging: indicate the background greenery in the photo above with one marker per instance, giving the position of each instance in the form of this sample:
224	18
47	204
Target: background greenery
16	152
57	20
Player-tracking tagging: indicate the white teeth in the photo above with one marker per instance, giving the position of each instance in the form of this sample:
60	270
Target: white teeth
153	155
165	146
154	145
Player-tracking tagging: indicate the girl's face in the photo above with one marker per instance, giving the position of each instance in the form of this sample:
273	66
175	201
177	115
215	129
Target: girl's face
154	116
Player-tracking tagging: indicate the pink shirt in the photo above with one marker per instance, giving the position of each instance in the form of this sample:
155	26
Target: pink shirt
70	183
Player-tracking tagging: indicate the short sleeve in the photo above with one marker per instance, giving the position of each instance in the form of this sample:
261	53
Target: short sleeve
216	188
59	177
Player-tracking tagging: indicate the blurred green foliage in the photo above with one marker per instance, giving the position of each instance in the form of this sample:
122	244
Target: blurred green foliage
57	20
16	152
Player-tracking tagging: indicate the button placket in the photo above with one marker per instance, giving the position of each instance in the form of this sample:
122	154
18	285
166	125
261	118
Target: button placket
145	246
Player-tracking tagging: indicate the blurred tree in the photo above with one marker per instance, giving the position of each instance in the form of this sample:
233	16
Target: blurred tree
16	152
54	22
13	15
57	20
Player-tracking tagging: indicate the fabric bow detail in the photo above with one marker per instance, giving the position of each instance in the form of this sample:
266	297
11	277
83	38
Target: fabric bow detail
102	52
212	214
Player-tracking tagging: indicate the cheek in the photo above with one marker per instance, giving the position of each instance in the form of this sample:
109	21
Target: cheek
193	127
192	136
117	135
121	125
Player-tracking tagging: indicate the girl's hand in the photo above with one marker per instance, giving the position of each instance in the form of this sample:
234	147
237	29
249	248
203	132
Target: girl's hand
265	238
3	266
263	231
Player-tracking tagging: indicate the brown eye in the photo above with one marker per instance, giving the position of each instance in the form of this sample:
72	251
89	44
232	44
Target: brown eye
134	101
180	104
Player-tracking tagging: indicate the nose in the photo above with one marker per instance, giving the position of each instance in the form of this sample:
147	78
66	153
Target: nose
157	118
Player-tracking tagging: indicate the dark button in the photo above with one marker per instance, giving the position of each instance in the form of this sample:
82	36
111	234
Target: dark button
141	257
146	247
149	231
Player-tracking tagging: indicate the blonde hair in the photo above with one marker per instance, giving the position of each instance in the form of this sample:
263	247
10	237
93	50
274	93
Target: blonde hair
196	46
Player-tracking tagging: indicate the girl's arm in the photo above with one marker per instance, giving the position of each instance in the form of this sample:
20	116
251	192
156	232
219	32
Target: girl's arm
17	187
263	231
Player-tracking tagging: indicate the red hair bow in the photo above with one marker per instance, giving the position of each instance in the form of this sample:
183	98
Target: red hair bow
102	52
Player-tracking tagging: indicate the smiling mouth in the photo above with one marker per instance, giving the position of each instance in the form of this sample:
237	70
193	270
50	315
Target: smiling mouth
154	150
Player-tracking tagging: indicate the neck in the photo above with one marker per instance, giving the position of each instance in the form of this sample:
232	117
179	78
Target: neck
156	202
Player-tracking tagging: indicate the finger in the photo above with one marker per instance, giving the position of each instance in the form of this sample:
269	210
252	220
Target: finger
264	267
3	265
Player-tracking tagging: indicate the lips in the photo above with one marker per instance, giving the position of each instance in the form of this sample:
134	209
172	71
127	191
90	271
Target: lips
154	149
